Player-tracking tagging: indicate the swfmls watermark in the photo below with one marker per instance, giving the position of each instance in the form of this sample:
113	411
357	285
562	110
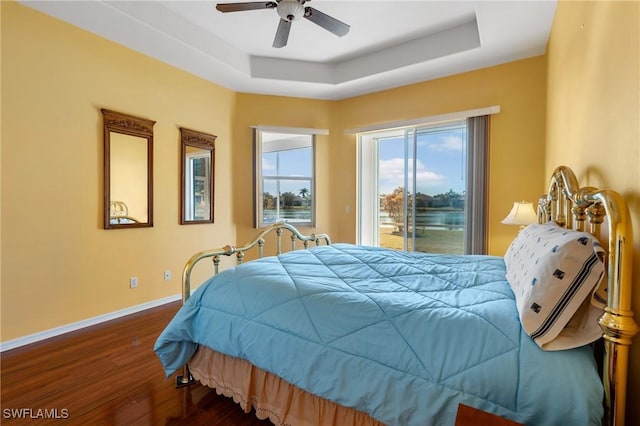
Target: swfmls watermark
35	413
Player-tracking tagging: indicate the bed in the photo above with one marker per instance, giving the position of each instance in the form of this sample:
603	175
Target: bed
341	334
119	213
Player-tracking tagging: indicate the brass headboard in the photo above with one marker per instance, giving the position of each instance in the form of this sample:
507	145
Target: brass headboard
585	209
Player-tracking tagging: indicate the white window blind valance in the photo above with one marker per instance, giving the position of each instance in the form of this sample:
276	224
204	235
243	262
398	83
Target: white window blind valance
460	115
296	130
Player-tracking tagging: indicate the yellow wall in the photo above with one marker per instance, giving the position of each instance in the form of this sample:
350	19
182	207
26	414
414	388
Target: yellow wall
58	264
516	138
256	110
59	77
593	115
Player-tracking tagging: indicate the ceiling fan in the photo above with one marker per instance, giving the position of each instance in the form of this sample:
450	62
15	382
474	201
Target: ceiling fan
289	11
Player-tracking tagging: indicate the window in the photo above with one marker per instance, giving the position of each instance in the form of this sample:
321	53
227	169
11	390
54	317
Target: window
285	186
422	189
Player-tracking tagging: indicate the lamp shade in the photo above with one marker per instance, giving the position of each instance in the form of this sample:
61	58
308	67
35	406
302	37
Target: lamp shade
522	214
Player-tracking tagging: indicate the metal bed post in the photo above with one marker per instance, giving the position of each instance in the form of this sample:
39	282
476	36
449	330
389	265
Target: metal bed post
617	322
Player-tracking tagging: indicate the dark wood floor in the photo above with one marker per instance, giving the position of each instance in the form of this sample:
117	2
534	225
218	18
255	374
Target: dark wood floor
107	375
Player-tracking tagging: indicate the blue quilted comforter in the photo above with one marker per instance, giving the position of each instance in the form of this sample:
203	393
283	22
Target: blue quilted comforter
405	337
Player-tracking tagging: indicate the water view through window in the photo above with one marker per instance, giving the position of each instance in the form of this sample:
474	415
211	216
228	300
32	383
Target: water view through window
285	178
421	182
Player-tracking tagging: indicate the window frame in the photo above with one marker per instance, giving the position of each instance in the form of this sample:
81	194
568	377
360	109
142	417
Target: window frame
476	214
259	176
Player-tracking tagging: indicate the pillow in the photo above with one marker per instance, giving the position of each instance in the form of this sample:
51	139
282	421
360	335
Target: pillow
556	274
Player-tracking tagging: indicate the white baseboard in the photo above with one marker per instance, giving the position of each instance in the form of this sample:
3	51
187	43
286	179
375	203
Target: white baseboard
57	331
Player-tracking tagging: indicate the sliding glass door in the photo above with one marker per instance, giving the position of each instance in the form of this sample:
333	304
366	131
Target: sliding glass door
413	187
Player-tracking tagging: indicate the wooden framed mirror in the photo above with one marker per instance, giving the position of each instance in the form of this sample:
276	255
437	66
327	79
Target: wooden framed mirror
197	167
128	171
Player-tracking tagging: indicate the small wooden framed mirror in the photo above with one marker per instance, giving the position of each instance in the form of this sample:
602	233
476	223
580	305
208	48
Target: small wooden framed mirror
128	171
197	176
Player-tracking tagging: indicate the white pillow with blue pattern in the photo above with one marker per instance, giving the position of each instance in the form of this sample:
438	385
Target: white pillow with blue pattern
557	275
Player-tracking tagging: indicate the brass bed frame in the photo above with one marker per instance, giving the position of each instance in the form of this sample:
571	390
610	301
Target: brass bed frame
569	205
216	256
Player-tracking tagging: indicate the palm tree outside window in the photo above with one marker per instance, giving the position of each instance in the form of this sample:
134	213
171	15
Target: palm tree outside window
285	177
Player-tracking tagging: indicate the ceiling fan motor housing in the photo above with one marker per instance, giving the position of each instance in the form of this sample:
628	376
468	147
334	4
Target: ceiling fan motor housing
290	10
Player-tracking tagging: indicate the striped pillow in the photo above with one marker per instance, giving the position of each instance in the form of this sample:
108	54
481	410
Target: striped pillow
555	274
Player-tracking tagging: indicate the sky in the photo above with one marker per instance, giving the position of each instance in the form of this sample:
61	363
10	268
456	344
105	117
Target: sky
295	162
440	164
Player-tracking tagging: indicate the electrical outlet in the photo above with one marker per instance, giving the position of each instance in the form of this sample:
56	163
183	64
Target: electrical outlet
133	282
167	275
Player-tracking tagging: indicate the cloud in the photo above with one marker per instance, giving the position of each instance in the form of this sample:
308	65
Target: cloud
391	174
266	165
448	143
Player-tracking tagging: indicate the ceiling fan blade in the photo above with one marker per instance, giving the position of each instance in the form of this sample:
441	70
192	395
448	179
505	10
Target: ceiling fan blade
239	7
282	35
327	22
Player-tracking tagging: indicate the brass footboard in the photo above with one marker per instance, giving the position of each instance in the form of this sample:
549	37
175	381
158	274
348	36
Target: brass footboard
228	250
571	206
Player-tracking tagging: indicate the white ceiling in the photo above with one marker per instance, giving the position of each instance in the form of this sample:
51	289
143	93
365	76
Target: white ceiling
390	44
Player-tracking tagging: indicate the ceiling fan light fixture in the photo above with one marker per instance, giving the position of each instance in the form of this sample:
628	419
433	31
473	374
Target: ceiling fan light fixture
290	10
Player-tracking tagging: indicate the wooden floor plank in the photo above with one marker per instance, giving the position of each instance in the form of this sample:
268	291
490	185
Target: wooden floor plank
107	374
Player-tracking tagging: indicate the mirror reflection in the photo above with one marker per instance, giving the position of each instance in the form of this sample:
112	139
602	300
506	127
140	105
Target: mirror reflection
129	179
128	147
197	166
